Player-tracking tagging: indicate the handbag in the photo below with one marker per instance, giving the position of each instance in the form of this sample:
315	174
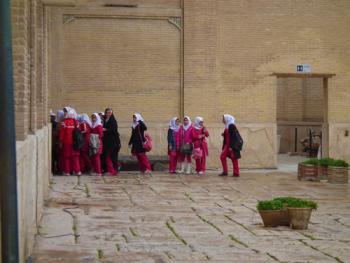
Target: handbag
148	143
197	153
186	148
94	144
78	138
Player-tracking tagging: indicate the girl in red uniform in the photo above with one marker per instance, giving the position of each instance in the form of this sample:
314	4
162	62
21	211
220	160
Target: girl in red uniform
231	146
174	143
186	138
199	133
97	129
85	128
136	142
70	156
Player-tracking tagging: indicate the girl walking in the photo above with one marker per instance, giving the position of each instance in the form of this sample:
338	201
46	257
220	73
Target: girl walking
200	146
174	143
186	145
70	156
136	143
111	142
96	143
85	128
232	145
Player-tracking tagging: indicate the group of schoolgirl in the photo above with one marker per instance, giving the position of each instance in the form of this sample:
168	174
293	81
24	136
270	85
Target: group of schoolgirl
92	145
187	141
85	145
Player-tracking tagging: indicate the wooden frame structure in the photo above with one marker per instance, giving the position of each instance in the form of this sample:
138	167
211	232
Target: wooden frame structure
325	125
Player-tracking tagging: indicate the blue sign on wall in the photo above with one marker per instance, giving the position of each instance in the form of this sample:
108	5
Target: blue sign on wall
304	68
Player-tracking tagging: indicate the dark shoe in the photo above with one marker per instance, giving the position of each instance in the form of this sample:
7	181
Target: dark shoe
223	174
236	175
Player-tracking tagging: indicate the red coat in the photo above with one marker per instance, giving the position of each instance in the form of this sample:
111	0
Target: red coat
66	137
98	130
227	138
200	142
186	135
66	131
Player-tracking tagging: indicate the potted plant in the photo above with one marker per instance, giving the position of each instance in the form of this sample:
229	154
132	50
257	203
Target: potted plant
299	211
323	168
338	172
273	213
308	170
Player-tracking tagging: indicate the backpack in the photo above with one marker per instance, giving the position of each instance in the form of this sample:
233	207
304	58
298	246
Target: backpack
78	138
94	144
239	139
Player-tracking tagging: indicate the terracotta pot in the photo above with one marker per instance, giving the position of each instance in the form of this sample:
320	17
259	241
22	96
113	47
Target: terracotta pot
299	217
273	218
307	172
322	173
338	175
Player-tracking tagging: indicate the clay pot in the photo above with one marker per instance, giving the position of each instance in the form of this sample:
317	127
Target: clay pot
338	175
299	217
307	172
273	218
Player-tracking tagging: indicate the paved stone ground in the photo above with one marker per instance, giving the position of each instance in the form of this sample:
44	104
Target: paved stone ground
181	218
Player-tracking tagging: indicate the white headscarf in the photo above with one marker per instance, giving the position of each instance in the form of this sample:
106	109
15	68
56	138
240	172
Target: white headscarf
172	124
66	108
72	114
59	116
229	119
138	119
197	121
189	125
85	118
97	122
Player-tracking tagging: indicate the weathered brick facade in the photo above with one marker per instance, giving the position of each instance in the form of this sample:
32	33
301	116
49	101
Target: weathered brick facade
170	57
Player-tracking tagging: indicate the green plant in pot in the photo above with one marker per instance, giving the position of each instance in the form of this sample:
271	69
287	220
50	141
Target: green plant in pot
338	172
323	168
299	211
308	170
273	213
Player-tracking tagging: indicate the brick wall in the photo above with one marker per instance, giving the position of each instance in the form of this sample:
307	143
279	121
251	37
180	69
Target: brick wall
299	99
230	49
21	62
32	132
249	40
30	97
131	65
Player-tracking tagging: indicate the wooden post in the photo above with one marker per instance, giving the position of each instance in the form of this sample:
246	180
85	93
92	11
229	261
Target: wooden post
325	126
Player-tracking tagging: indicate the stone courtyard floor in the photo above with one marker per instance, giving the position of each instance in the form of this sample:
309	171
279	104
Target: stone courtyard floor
187	218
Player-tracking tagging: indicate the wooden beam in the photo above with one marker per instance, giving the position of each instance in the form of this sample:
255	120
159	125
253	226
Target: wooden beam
303	75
